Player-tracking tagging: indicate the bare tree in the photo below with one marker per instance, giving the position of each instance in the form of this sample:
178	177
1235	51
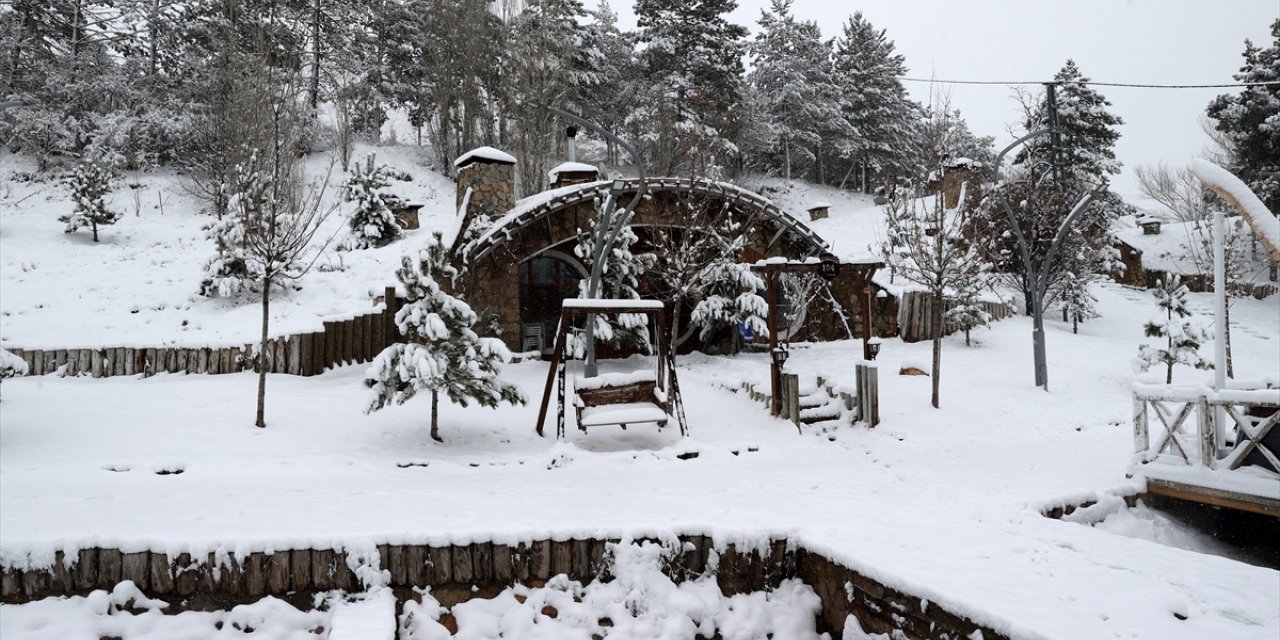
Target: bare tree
927	246
282	215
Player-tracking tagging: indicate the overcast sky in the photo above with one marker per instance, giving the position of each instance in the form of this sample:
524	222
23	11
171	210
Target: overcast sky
1137	41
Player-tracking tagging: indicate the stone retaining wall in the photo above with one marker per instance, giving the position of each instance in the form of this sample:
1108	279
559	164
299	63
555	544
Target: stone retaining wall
459	572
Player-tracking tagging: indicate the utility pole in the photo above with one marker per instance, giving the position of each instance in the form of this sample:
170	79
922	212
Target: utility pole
1055	134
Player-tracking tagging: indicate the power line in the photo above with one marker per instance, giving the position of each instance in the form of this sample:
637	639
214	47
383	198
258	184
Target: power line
1096	84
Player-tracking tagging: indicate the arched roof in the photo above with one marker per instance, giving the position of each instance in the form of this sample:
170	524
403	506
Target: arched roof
536	208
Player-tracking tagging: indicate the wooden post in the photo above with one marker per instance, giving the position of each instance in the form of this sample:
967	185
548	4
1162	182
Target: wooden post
866	322
1141	437
1208	432
873	394
350	351
331	340
391	307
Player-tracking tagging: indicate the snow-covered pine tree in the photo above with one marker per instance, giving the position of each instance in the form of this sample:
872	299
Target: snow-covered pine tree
229	271
1088	129
732	297
540	70
882	120
692	63
441	353
1183	333
1078	303
618	281
90	183
1248	121
792	84
372	220
965	311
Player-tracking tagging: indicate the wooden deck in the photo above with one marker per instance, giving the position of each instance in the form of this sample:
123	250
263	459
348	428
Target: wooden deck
1217	497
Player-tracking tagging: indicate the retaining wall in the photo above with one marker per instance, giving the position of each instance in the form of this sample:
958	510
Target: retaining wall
459	572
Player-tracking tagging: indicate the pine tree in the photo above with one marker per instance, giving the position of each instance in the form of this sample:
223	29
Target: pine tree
1249	123
607	73
90	183
372	219
1088	130
441	352
619	279
882	120
692	61
792	83
1078	304
965	311
1183	333
11	366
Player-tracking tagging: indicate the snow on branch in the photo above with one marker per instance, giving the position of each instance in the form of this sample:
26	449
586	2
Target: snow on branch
1230	188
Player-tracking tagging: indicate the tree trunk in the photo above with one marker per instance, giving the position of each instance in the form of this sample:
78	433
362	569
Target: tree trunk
1168	376
1075	324
675	326
262	354
435	416
786	159
94	226
313	98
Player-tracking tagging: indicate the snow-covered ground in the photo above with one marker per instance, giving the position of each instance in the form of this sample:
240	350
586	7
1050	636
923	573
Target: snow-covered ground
140	284
942	503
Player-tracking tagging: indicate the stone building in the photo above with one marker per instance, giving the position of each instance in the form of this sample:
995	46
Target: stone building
518	262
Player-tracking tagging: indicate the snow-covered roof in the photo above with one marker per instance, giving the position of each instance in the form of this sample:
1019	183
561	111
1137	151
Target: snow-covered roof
962	163
540	204
1170	250
818	205
570	167
484	153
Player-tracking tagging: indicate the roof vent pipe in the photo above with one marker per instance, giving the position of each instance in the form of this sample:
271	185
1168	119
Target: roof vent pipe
571	135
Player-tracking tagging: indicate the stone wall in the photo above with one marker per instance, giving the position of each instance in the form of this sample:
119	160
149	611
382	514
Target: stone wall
457	573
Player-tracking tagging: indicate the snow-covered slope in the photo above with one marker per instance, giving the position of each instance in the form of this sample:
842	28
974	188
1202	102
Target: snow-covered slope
140	284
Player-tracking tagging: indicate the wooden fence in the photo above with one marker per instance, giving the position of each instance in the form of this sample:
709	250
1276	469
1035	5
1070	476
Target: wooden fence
915	315
350	341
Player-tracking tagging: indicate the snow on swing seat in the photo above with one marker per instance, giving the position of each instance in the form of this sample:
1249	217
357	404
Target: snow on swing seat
626	413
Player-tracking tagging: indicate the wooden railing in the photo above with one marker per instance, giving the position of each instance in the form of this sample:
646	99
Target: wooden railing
1187	422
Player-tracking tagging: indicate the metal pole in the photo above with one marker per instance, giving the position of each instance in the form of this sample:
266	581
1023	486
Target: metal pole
866	323
1220	319
1055	136
608	233
775	372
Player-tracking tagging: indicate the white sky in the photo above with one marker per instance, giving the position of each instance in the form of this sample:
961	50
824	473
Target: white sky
1139	41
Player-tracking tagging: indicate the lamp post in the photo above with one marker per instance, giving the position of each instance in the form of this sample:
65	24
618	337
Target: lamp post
607	230
1037	276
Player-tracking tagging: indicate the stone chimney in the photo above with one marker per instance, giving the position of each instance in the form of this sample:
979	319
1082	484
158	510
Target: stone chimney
955	172
490	175
1150	226
572	173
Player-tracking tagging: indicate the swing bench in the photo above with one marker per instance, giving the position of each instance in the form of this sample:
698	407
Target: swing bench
623	398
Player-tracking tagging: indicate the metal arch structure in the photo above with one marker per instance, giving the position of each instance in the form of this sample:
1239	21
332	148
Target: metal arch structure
729	193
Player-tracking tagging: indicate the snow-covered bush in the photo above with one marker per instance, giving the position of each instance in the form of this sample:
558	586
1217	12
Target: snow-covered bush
441	352
11	366
1182	332
90	183
372	218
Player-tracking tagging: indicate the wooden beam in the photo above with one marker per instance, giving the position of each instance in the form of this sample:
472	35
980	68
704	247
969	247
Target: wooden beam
1216	497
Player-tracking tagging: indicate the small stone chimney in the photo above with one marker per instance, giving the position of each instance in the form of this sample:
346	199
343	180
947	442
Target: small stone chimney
490	175
572	173
955	172
819	210
1150	226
